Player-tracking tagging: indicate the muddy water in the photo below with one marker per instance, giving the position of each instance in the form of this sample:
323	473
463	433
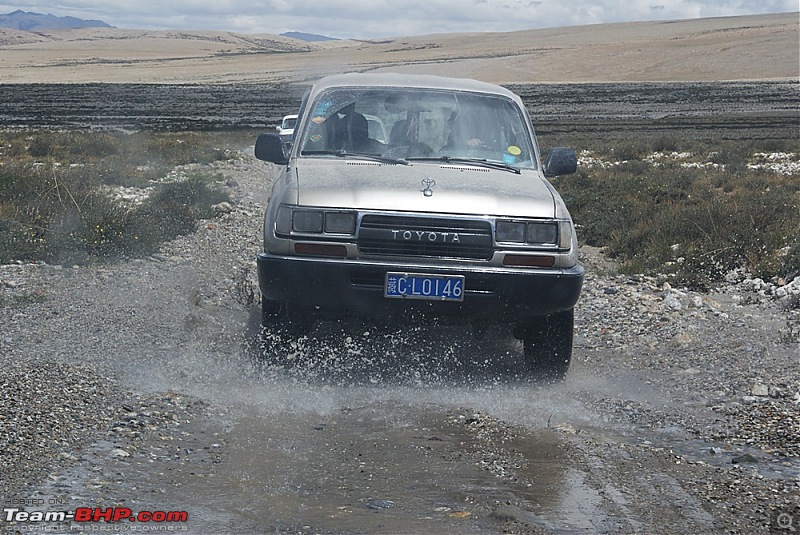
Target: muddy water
385	469
304	459
321	449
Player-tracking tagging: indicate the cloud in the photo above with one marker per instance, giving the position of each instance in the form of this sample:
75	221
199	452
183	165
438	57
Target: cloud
386	18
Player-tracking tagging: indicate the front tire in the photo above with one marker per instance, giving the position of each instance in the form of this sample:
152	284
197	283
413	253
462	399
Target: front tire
548	346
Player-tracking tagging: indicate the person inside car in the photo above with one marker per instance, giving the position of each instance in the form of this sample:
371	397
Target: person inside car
348	130
359	136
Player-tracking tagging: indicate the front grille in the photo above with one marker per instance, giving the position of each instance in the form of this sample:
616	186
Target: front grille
425	237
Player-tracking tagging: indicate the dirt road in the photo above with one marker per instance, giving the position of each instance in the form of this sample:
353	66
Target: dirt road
138	386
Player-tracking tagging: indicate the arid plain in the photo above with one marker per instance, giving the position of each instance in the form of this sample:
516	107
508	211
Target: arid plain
760	47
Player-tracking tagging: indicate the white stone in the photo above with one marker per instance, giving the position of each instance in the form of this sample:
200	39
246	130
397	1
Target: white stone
673	303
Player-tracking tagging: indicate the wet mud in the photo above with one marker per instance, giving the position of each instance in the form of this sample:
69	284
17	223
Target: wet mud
725	110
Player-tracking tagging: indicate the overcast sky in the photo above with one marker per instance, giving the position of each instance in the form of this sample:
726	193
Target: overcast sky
367	19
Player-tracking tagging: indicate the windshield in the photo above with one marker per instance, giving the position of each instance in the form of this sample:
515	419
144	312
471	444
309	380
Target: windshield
418	123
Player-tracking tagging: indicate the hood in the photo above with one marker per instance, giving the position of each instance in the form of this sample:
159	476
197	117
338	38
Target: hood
458	188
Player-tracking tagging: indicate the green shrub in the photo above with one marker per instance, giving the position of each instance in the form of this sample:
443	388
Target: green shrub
177	206
59	213
666	144
694	224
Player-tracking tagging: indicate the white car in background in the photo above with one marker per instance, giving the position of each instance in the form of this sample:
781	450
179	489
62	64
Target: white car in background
286	128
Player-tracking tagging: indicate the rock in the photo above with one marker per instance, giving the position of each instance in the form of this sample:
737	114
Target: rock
744	458
681	339
120	453
566	428
510	513
460	514
776	392
759	390
380	504
673	303
223	208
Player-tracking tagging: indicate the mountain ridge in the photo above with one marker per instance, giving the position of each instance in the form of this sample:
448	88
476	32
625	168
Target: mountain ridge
310	37
30	21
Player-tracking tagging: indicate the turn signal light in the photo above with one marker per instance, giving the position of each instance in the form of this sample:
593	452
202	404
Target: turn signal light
319	249
529	261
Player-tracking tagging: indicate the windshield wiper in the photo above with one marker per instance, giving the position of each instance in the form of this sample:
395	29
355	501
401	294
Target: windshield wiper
344	154
477	161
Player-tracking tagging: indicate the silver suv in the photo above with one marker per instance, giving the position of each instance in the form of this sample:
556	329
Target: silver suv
451	215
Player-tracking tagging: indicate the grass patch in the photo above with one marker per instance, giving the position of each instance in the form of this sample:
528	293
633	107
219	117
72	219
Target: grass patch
692	216
54	205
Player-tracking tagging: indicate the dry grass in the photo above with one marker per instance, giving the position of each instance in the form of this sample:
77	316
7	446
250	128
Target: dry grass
55	201
693	213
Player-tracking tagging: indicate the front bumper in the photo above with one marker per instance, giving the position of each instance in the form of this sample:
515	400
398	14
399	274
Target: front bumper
350	287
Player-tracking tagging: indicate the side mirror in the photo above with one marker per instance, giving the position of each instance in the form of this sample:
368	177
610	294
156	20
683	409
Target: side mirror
269	147
560	161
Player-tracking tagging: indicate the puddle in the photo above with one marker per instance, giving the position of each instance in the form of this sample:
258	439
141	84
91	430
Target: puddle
365	465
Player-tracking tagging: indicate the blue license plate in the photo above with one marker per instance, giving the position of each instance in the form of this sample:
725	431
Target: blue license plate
422	286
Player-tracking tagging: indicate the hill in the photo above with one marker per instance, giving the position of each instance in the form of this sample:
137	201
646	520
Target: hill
312	37
728	48
28	21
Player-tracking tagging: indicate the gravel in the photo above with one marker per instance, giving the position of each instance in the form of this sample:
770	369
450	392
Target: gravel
93	353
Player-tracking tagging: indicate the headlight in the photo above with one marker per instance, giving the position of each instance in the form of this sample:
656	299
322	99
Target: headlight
307	221
303	220
340	222
510	231
543	233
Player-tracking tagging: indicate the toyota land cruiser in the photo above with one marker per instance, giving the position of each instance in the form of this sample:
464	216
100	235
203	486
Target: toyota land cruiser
450	215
